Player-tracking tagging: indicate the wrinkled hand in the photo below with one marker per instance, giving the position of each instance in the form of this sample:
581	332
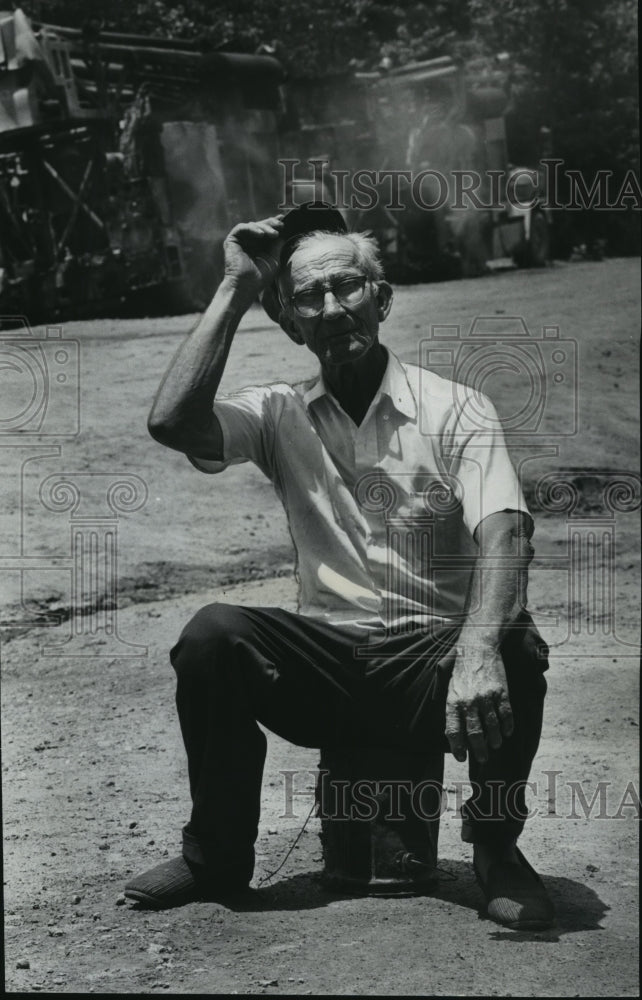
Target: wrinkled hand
252	253
478	711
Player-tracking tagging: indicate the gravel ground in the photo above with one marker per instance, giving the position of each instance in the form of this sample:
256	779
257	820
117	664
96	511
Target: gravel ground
94	777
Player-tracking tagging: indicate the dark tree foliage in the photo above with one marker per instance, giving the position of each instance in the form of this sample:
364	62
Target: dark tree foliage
576	61
576	70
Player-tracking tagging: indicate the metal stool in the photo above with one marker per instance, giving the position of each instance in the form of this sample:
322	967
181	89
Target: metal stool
380	812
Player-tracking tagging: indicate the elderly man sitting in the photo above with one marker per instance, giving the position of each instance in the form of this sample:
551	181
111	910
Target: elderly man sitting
385	650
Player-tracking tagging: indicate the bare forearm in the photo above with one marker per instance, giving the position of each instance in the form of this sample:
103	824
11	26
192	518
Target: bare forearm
181	415
498	590
478	710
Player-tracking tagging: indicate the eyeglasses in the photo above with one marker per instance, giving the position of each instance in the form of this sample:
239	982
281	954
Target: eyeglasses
347	291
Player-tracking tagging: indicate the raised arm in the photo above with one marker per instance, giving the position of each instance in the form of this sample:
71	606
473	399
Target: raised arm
478	711
181	416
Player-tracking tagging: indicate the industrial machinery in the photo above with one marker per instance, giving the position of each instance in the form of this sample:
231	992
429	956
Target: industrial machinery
474	208
123	162
419	155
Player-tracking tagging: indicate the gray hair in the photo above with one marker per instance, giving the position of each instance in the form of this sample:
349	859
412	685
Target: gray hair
365	245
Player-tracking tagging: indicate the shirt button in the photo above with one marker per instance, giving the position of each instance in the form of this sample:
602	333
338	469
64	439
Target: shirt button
386	417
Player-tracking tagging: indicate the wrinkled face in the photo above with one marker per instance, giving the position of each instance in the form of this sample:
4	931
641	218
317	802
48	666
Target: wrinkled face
340	334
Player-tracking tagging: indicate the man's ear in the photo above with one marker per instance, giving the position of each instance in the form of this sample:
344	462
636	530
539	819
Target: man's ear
384	299
288	324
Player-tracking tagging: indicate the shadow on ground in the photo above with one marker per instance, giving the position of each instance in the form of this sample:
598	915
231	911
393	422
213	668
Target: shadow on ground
578	907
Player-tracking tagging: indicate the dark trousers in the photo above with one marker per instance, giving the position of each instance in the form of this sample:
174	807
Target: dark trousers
315	685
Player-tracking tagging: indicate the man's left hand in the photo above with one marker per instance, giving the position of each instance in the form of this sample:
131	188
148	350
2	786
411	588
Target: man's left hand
478	711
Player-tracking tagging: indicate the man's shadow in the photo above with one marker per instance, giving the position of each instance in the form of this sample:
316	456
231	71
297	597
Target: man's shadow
577	906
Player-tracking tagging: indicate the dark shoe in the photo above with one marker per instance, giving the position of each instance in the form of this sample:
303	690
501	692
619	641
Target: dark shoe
177	882
516	896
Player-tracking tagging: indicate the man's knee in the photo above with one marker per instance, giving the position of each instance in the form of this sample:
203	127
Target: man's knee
207	637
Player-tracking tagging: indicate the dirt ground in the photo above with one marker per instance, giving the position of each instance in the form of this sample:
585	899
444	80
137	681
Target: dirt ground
94	776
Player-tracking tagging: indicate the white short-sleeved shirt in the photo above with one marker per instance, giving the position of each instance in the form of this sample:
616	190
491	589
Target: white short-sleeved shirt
381	515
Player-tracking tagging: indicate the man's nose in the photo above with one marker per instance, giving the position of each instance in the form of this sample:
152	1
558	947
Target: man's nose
332	308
